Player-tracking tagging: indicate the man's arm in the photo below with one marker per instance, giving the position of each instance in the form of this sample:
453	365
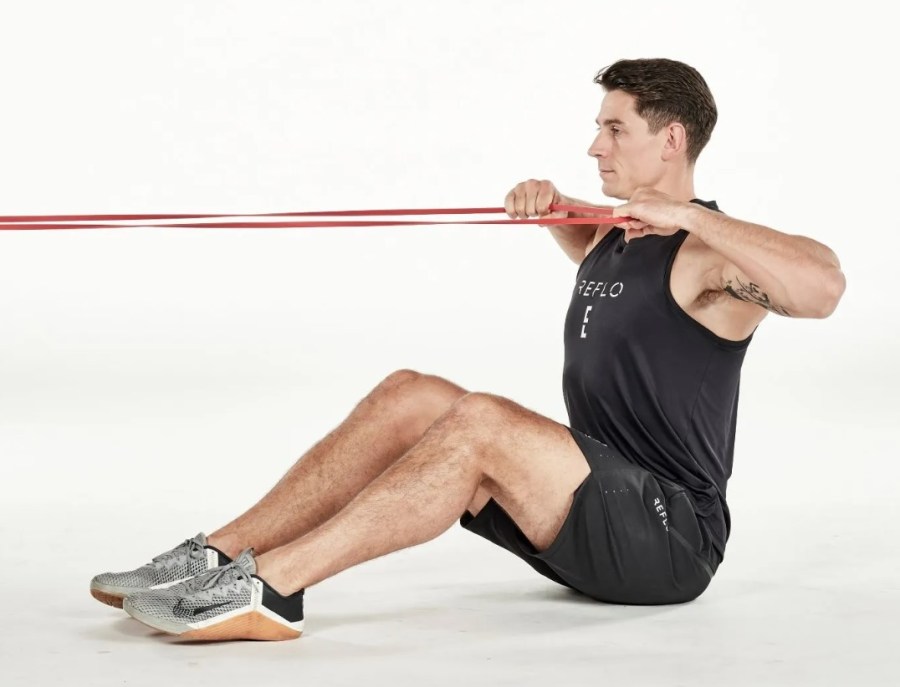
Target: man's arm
787	274
533	198
574	239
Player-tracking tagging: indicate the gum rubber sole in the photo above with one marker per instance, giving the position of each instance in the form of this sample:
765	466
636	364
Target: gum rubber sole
108	599
251	625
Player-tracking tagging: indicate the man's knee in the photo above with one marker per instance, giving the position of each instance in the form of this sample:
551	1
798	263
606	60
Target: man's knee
398	378
480	413
412	400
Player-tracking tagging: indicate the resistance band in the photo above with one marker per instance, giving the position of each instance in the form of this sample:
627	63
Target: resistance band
35	222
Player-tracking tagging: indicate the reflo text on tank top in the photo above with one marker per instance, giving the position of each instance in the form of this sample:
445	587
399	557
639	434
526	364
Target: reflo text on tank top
596	289
589	289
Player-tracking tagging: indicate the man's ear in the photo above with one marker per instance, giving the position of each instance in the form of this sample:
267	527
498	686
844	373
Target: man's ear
676	141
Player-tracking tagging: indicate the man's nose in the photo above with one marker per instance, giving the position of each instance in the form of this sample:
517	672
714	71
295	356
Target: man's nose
598	148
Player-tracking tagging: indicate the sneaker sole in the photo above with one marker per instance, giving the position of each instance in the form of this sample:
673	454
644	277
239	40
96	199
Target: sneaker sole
251	625
113	600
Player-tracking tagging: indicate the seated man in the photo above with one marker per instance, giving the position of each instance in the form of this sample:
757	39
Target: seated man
626	505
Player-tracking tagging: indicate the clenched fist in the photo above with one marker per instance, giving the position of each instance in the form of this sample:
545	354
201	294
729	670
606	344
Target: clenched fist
533	198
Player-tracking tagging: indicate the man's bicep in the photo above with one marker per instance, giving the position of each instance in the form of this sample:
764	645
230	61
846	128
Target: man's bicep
738	285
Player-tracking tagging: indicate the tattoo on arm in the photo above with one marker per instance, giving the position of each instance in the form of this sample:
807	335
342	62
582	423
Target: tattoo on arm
752	294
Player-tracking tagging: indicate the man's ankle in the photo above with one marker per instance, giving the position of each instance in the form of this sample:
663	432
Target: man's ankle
230	545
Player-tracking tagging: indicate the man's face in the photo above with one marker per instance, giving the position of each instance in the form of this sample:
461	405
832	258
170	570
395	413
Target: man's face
627	154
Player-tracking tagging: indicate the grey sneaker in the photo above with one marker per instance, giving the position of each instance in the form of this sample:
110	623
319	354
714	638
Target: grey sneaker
230	602
191	557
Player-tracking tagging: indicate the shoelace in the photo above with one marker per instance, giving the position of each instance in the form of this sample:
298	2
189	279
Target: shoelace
188	548
190	585
217	581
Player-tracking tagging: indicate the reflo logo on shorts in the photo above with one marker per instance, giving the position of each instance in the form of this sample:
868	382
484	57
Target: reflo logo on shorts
661	509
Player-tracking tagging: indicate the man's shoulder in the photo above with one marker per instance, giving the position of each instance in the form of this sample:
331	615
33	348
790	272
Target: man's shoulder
708	204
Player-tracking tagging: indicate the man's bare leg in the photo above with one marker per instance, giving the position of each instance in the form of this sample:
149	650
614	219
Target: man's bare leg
379	430
485	445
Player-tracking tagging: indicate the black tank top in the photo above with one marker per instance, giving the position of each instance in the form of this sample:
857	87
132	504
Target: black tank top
644	377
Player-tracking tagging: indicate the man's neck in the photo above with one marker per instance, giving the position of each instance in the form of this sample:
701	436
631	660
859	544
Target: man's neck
678	185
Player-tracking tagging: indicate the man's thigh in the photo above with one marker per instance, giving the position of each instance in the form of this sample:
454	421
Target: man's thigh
580	513
532	465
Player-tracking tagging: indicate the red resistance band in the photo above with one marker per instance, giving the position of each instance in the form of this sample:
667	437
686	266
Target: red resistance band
31	222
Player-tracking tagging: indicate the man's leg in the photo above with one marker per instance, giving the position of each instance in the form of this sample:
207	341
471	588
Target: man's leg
379	430
483	446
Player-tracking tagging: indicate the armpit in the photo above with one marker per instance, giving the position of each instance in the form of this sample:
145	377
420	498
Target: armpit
751	293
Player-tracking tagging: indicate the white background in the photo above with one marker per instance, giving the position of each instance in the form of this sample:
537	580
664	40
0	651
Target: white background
154	382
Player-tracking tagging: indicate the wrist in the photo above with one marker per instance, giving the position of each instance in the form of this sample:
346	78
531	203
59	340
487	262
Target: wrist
566	200
690	219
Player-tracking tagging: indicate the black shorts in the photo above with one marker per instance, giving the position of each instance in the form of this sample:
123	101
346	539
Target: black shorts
629	538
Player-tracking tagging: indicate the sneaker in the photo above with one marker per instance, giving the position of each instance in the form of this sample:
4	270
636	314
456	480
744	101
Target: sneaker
190	558
231	602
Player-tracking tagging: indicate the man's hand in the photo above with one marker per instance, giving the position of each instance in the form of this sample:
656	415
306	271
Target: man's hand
653	212
533	198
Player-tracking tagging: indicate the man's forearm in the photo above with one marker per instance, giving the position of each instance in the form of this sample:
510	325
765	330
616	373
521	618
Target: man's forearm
574	238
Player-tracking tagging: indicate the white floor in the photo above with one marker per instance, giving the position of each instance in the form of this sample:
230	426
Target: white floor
822	612
104	476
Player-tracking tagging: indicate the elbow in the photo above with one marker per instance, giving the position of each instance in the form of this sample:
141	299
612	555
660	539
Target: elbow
834	285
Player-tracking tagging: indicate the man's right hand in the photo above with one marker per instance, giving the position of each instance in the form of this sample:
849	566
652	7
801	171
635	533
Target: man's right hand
533	198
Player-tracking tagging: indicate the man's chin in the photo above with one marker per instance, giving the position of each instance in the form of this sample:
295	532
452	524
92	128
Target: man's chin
611	191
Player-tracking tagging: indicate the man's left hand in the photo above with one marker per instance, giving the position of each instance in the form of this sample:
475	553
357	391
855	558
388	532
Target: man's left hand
653	212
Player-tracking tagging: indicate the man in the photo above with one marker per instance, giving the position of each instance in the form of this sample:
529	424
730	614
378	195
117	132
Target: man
628	504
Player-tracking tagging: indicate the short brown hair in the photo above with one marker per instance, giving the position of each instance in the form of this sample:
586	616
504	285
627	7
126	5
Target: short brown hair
666	91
